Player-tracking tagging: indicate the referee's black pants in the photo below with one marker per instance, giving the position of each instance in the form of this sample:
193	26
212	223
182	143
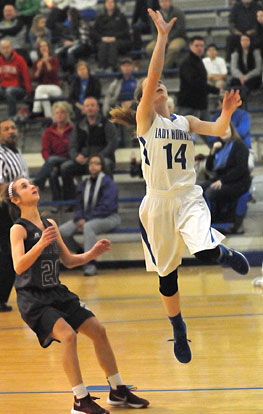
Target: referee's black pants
7	273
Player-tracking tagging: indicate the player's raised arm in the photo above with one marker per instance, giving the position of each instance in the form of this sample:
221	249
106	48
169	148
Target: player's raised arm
231	102
145	111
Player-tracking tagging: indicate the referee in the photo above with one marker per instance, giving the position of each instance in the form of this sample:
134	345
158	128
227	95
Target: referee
12	165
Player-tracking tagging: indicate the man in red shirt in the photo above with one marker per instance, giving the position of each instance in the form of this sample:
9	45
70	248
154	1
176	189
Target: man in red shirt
14	77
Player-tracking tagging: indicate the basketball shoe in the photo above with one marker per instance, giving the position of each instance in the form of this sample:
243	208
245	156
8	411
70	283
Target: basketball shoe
87	405
125	398
234	259
182	349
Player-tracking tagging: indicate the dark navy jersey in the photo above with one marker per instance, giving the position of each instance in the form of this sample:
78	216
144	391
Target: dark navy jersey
44	272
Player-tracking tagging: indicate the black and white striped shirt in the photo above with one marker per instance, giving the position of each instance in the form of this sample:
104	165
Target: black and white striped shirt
12	164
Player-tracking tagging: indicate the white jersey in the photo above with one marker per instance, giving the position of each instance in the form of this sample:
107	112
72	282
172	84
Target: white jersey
167	152
173	214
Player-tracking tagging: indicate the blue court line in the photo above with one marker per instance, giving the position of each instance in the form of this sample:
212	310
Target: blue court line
105	388
237	315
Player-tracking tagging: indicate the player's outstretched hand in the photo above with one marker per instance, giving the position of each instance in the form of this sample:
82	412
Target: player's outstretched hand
231	101
100	247
161	25
49	235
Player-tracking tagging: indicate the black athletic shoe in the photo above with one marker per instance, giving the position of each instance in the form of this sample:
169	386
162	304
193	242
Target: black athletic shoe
182	349
87	405
234	259
124	397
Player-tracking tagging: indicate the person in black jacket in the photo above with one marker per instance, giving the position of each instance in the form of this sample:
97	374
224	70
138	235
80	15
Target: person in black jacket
93	134
228	172
111	33
83	85
194	89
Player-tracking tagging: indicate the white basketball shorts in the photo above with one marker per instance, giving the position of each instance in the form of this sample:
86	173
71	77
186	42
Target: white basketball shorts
171	220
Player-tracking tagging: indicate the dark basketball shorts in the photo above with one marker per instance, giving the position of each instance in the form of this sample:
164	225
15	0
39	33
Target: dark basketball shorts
40	309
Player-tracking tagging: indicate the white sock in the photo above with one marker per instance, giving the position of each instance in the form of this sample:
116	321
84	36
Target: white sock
114	380
80	391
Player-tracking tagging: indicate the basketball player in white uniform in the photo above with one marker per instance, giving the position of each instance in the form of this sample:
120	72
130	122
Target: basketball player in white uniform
174	214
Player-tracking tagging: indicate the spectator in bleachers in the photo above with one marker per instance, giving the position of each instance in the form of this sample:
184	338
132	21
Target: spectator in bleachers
246	68
93	134
37	33
227	169
177	36
96	210
242	20
76	42
121	90
215	67
45	72
82	86
111	33
12	28
59	10
259	32
55	141
12	165
141	25
56	17
14	77
3	3
194	88
28	9
241	121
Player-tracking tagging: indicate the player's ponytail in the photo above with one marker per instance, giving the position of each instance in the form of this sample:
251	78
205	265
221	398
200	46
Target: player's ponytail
127	116
124	116
7	192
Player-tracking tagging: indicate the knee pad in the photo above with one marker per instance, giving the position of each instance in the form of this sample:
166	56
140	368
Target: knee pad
168	285
208	256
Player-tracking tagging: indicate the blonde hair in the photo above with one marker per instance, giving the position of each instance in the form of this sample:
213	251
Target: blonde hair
38	31
65	107
127	116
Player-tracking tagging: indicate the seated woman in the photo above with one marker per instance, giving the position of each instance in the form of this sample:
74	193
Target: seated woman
45	72
96	210
83	85
37	33
55	149
246	68
111	33
228	173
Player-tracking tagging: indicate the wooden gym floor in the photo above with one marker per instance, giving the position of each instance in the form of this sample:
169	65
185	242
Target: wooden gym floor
224	316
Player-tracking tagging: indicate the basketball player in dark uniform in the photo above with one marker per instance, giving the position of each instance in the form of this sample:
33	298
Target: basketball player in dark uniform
48	307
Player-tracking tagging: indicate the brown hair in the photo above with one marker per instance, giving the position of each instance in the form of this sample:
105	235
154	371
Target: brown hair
82	63
48	45
127	116
14	211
